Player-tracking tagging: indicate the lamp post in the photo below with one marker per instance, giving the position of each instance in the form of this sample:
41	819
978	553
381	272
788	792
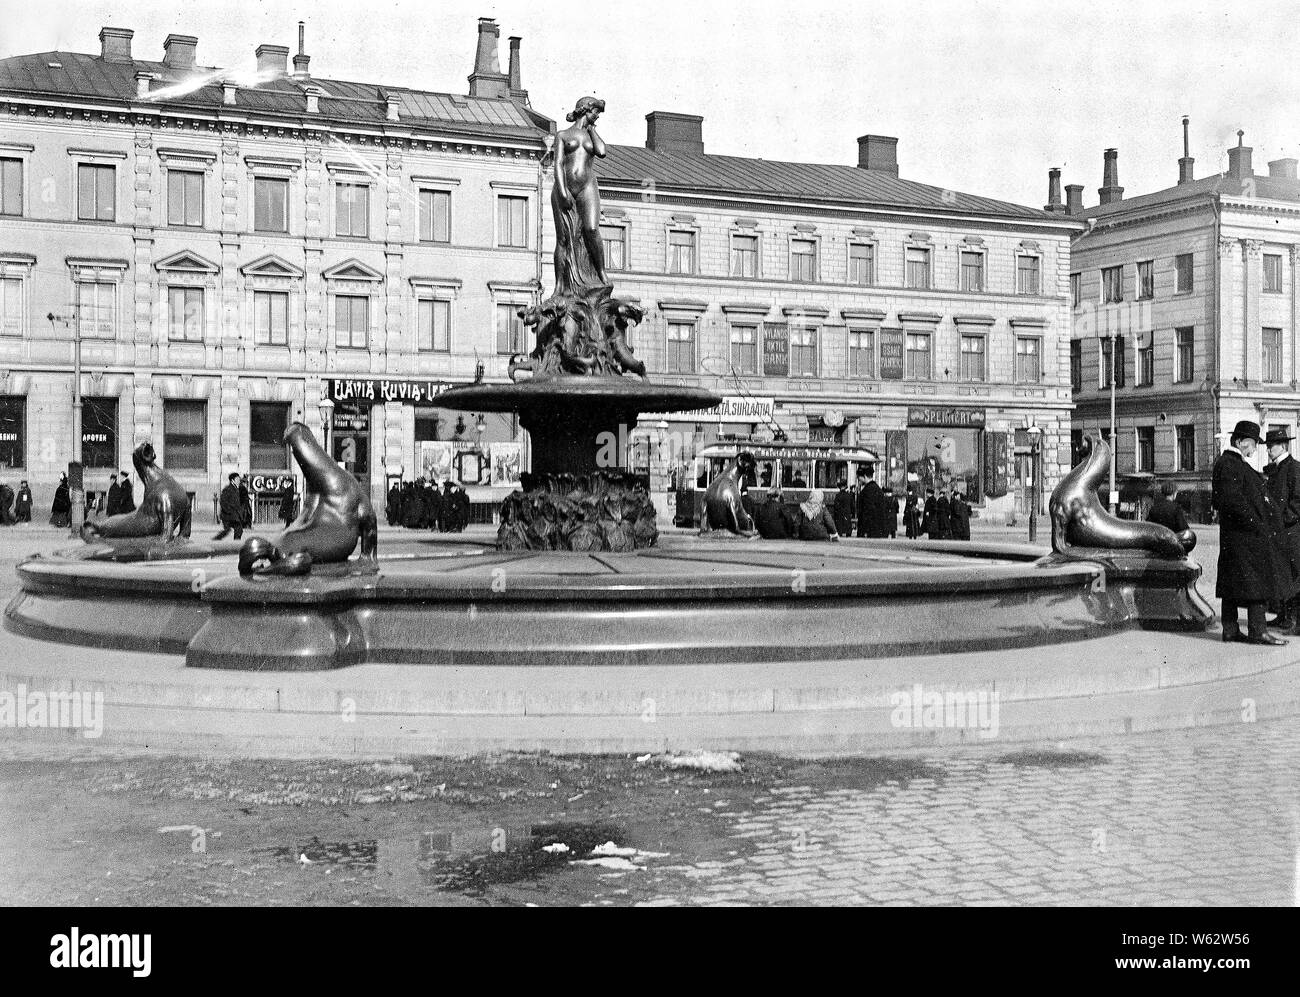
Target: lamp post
1114	366
78	494
1035	437
326	407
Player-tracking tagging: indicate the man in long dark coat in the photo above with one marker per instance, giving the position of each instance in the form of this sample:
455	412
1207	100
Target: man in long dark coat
891	514
960	515
1166	511
1283	474
943	517
871	506
113	503
929	517
845	509
126	493
23	508
1251	572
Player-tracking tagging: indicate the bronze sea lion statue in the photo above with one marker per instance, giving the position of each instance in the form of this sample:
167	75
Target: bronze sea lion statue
723	509
336	513
1081	524
164	511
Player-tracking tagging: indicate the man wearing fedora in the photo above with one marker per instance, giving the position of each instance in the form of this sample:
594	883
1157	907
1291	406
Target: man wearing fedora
1251	572
1283	474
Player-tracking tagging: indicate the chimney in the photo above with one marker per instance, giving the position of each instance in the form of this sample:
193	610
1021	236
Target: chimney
667	131
227	92
1110	190
302	59
313	93
1054	191
115	44
142	79
178	51
517	91
487	80
878	152
1282	169
392	105
1074	199
272	59
1239	159
1185	164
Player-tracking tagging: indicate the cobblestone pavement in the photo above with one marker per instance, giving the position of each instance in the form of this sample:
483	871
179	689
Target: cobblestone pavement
1202	817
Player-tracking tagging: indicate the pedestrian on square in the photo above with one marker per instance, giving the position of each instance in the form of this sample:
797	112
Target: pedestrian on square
929	515
231	510
1283	476
61	507
891	514
23	508
126	494
815	520
393	507
960	513
912	516
6	503
245	503
773	518
114	500
1167	512
1251	567
845	508
462	507
289	506
871	505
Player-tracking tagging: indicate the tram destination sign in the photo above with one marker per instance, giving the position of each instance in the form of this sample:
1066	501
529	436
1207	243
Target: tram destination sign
348	389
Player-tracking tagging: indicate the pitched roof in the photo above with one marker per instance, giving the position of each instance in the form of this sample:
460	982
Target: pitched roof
1265	188
90	77
805	181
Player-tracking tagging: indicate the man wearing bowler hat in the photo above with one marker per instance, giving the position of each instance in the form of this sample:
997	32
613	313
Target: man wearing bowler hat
1250	570
1283	474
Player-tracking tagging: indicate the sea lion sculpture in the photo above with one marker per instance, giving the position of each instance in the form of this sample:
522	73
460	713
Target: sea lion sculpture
722	506
1082	528
164	511
336	512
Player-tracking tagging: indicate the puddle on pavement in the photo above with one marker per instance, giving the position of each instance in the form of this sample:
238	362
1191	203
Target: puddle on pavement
864	773
471	861
1052	759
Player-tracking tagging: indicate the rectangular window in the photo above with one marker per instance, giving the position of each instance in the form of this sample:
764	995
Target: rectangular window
803	352
803	260
1112	284
510	330
435	216
972	271
1183	347
918	266
351	321
96	193
1076	290
681	252
744	349
1029	369
614	239
1187	448
1272	355
1146	448
1076	365
185	435
744	256
1183	272
184	198
1028	275
1272	273
681	348
1106	365
266	425
13	431
435	325
11	186
352	210
99	432
97	309
512	221
270	318
862	354
11	306
185	314
1146	365
917	356
972	359
270	204
862	263
1146	285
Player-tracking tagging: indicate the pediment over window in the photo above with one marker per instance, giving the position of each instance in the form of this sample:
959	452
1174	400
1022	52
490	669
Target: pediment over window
270	266
187	261
352	270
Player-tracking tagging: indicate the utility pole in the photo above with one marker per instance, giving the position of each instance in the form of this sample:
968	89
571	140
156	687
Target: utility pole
77	486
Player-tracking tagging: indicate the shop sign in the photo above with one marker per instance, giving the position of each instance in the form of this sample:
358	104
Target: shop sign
825	434
776	349
946	415
384	390
891	354
271	482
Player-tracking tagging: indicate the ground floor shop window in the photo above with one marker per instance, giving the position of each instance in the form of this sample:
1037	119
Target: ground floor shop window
13	431
266	425
99	432
351	437
944	459
185	435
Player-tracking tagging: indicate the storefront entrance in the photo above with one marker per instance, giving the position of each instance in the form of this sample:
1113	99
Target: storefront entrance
944	451
350	438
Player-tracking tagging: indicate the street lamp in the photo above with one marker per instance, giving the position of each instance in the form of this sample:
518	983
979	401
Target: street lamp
1035	437
77	494
326	407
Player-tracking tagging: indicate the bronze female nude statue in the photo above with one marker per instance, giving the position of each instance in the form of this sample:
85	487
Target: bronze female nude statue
575	202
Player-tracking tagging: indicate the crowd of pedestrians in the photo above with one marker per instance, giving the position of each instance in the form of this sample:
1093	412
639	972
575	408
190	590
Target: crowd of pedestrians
423	505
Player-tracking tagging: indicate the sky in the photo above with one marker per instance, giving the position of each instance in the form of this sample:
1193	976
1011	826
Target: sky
983	96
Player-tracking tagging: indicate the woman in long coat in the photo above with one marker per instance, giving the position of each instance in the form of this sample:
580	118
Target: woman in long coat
61	507
1251	570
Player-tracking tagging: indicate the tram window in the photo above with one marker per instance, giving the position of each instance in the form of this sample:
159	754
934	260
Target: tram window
829	473
795	473
765	475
